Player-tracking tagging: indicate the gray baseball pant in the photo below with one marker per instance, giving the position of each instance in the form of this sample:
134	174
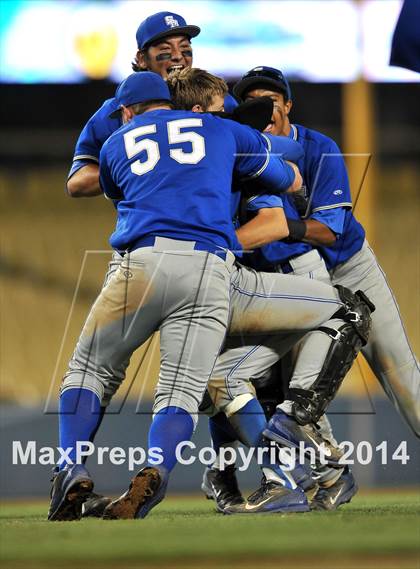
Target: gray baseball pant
388	351
171	287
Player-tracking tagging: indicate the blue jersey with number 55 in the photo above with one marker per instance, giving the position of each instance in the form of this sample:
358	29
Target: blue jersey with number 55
100	126
170	173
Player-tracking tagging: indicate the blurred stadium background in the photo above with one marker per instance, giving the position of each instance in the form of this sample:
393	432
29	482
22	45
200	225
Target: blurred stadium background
59	61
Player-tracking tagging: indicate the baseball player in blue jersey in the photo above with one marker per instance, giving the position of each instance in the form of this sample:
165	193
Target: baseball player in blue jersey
177	275
327	243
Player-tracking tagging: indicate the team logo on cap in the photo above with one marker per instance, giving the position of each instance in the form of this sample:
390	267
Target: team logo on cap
171	22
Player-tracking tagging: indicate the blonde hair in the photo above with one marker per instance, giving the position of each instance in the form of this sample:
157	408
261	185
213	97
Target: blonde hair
192	86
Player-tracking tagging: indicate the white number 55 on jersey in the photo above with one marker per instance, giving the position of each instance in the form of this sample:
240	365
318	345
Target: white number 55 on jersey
134	146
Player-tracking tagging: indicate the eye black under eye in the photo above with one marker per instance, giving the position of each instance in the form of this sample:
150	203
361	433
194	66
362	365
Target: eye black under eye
164	56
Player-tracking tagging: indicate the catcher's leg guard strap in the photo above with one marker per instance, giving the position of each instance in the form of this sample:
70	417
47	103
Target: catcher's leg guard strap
310	404
356	310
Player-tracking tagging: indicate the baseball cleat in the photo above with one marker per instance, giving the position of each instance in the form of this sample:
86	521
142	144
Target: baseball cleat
222	487
341	492
70	488
272	497
285	430
95	505
146	490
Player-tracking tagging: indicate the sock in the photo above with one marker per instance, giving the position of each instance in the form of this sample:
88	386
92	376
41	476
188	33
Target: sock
101	416
249	422
171	426
93	434
222	435
80	416
221	431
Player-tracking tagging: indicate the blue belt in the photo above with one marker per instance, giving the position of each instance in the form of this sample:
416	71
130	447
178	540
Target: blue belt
149	241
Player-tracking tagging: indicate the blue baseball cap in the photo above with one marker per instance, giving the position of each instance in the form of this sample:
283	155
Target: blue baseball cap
263	77
161	25
140	87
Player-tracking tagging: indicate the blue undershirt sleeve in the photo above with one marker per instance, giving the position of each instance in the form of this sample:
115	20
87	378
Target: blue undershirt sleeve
264	201
332	218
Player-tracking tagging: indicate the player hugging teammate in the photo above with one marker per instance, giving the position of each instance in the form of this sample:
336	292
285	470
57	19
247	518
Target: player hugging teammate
282	302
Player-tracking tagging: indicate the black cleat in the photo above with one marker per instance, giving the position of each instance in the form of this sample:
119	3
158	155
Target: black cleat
341	492
146	490
95	505
285	430
70	488
222	487
272	497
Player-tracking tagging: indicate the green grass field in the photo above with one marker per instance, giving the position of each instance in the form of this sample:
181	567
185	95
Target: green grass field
380	529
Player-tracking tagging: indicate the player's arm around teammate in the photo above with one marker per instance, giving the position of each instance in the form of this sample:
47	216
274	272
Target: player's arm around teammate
268	225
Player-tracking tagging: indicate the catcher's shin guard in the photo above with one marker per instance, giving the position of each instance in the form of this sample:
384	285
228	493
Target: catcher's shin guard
347	341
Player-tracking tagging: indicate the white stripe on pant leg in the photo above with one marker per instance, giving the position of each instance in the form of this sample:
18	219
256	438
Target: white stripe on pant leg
275	303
